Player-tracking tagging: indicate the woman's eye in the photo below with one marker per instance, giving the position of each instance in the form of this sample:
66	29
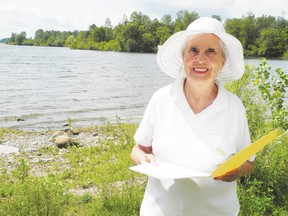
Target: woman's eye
210	52
193	51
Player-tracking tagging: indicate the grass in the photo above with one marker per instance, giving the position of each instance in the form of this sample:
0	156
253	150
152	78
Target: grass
104	168
118	191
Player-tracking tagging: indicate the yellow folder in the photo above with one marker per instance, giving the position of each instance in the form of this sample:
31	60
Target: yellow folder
243	155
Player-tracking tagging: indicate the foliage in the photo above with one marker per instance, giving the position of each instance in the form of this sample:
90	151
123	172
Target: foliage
264	36
273	89
264	191
252	100
22	194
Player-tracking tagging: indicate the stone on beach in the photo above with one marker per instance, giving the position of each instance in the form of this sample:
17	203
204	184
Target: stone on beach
4	149
62	140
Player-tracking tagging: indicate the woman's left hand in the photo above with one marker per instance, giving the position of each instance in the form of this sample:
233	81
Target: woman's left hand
235	174
229	176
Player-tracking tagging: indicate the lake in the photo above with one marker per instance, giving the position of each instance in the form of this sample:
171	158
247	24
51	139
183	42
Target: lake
42	86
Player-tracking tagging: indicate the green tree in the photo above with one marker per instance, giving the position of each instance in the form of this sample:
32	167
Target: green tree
217	17
97	34
233	27
163	33
12	39
69	41
148	43
40	38
17	39
248	33
264	22
183	19
132	38
167	21
272	42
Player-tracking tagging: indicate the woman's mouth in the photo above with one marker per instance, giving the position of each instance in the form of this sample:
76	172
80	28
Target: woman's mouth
200	70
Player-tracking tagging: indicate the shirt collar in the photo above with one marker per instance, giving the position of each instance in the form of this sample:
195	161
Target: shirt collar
220	103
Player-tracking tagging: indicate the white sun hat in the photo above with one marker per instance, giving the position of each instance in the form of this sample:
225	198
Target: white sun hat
170	54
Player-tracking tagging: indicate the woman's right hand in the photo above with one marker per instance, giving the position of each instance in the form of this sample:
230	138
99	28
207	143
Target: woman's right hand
141	153
149	158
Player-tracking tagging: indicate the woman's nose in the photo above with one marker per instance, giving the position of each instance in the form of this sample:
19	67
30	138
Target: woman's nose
201	57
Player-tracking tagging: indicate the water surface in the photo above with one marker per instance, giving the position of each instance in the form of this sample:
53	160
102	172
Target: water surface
44	86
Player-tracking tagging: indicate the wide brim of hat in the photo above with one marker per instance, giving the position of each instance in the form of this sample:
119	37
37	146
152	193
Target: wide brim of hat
170	55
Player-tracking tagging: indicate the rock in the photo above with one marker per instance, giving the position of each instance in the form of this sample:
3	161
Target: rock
4	149
45	160
57	133
76	131
63	141
72	131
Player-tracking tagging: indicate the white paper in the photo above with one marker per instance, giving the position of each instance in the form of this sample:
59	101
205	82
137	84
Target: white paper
167	171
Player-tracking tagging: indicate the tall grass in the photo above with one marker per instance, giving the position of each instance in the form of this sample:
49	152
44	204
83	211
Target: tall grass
117	191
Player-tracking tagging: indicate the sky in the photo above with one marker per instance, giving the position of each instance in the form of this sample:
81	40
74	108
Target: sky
17	16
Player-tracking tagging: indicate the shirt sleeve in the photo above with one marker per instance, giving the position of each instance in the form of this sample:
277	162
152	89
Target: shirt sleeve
145	131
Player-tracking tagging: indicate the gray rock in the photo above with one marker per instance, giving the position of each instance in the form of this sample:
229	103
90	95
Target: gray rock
63	141
4	149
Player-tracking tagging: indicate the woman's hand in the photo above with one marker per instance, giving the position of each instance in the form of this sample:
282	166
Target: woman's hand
148	158
235	174
230	176
141	153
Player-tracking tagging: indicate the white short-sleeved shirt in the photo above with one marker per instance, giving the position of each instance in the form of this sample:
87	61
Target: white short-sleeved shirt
198	141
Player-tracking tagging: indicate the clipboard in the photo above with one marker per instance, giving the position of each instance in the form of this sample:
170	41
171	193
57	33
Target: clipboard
171	171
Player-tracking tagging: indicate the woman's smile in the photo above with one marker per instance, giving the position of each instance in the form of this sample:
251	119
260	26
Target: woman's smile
200	70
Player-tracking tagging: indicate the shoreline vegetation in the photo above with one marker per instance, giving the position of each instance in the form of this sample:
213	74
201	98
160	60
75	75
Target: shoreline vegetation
91	177
264	36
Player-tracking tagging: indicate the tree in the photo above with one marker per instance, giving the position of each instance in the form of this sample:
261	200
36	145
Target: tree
108	23
265	22
272	42
40	38
132	38
167	20
148	43
183	19
69	41
217	17
260	36
233	27
12	38
98	34
18	39
163	33
248	33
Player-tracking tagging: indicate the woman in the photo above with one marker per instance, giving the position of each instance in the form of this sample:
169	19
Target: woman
195	123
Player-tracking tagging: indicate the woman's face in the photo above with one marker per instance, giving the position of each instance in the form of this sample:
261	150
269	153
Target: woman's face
203	57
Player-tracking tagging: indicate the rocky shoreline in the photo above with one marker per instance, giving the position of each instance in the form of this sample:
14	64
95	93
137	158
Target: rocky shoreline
38	148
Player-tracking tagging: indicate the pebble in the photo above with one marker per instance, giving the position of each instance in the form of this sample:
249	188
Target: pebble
4	149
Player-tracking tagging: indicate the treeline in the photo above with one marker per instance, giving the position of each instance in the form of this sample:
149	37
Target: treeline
264	36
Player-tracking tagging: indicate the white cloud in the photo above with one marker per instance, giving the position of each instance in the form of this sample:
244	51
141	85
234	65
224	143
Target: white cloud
30	15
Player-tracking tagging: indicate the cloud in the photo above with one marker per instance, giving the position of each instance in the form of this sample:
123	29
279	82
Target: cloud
28	18
66	15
